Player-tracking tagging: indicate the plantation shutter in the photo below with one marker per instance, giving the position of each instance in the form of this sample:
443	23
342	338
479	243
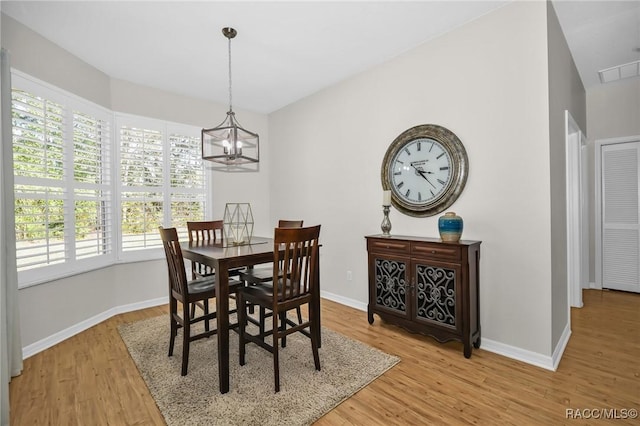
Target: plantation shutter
141	175
187	181
92	189
39	171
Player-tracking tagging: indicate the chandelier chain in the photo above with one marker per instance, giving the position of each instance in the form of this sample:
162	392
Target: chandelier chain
230	98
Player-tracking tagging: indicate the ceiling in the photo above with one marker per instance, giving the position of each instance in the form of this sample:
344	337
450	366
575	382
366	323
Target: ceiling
285	51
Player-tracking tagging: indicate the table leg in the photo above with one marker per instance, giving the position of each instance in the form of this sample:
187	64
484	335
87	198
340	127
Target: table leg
222	318
316	308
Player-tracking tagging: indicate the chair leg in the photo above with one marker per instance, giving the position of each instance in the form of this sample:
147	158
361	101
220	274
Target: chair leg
205	302
242	324
173	325
314	348
262	319
276	363
299	315
283	325
193	311
186	337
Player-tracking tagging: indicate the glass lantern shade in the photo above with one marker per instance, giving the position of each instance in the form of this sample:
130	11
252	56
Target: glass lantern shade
237	224
230	144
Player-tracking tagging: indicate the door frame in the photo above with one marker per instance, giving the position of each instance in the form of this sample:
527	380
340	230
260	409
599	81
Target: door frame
577	212
598	199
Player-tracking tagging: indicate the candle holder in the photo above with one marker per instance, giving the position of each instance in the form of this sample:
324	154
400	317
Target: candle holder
386	223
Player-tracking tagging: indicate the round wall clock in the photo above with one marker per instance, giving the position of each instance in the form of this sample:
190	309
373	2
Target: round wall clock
426	169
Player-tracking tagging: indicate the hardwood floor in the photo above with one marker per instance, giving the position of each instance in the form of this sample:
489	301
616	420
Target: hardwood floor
90	379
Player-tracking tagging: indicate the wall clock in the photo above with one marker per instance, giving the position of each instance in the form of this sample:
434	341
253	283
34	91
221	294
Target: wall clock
426	169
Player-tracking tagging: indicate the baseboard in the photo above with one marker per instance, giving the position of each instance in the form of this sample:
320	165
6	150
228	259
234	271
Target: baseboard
62	335
518	354
344	300
561	346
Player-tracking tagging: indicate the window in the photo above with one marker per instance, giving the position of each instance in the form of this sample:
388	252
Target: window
186	180
71	214
161	180
39	172
142	178
92	178
61	149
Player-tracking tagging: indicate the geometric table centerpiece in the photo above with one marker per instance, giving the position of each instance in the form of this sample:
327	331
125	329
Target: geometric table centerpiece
237	224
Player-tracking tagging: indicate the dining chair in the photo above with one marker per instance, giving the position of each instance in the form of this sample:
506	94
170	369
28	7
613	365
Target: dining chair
253	276
206	231
295	263
187	293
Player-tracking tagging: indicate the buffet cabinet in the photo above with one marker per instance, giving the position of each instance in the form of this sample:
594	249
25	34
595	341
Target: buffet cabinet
426	286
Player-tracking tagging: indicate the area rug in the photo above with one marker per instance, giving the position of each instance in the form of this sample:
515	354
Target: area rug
305	394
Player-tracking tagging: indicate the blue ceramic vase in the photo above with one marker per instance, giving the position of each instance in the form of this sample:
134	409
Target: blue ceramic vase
450	227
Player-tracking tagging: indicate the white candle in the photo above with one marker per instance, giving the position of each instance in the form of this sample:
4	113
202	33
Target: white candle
386	198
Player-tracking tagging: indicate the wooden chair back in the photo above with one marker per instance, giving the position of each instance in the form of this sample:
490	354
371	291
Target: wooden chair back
297	263
205	231
290	223
175	262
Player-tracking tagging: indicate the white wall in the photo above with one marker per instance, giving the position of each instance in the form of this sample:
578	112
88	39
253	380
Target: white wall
58	307
486	82
37	56
566	92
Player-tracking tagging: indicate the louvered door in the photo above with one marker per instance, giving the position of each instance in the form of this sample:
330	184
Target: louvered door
620	221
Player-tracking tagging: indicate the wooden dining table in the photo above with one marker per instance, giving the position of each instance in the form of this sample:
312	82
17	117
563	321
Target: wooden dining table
222	258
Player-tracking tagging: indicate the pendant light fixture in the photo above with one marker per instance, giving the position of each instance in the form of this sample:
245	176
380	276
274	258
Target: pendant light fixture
229	143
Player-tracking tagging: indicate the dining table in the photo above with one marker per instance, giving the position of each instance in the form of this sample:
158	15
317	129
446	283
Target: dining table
221	258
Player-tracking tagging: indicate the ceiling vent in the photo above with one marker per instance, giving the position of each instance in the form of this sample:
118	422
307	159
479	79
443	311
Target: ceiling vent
632	69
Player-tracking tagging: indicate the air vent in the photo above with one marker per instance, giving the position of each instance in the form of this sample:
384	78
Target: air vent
632	69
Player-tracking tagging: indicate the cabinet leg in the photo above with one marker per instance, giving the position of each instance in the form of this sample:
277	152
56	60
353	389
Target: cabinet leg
467	349
476	344
370	317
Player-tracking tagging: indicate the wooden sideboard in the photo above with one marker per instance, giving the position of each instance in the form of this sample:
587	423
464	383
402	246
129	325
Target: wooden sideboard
426	286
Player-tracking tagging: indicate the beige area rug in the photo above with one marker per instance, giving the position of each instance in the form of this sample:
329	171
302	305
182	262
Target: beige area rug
305	394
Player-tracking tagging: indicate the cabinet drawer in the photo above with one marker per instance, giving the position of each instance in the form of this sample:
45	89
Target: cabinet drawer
439	251
387	246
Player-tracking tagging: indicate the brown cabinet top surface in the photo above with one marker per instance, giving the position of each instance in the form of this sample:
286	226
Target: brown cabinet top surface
422	239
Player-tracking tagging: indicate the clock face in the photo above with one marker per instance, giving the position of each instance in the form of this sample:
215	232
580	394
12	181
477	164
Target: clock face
426	169
420	171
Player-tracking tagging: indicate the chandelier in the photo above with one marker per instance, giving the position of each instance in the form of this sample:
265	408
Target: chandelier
229	143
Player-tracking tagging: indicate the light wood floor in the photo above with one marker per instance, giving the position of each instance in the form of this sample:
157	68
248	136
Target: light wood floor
90	379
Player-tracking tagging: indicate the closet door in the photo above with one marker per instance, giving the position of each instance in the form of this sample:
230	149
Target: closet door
620	227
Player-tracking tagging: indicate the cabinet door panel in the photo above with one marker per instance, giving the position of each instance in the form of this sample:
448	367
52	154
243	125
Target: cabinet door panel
390	279
437	294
